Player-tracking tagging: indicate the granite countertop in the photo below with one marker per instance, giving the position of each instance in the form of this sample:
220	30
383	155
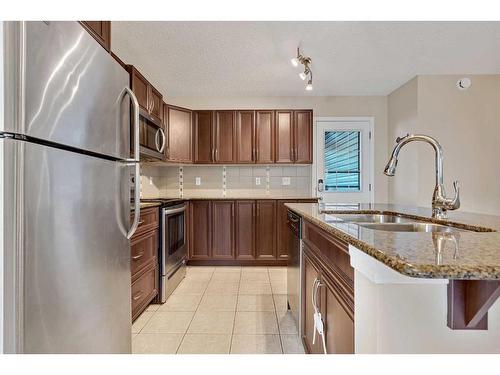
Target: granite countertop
150	204
414	254
194	198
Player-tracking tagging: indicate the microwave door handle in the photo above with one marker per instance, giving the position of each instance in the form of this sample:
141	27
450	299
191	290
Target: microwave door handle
135	163
163	140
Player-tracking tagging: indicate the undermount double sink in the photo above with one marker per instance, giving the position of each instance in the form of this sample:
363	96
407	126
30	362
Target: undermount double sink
393	223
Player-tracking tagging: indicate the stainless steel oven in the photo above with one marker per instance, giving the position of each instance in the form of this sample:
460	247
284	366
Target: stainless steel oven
173	248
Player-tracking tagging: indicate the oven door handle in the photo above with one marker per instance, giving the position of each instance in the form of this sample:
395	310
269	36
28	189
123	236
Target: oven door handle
174	211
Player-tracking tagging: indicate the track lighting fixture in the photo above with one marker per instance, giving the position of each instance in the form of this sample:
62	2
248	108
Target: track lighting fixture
306	61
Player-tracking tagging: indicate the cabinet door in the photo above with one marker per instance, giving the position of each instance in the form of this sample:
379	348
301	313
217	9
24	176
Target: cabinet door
266	230
100	30
283	236
245	229
225	136
284	137
264	137
245	137
309	275
203	134
201	232
178	123
155	100
222	229
338	324
303	137
140	87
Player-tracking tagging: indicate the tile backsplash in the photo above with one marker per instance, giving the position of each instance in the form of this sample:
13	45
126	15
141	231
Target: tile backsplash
240	181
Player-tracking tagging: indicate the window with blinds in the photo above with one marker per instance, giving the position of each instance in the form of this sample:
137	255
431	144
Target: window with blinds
342	165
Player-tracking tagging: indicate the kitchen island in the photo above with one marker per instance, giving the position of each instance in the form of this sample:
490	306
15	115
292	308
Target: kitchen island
414	291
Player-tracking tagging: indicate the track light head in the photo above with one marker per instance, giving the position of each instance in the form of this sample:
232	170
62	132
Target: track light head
309	86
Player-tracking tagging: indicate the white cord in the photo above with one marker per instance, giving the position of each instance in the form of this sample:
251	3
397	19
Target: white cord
318	322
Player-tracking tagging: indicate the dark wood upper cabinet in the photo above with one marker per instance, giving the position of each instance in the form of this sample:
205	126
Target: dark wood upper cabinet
284	137
200	242
140	87
264	137
225	137
265	245
150	100
156	110
223	230
303	133
245	137
178	125
100	30
203	137
245	230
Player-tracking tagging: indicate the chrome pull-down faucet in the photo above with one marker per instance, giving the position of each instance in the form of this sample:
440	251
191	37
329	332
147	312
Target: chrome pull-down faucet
440	203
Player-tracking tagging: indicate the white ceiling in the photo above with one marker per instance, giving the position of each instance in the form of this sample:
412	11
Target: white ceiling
348	58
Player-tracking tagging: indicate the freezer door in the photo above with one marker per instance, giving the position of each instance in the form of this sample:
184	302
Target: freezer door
76	211
72	88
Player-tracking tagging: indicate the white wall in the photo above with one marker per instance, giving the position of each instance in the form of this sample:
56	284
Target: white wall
466	123
326	106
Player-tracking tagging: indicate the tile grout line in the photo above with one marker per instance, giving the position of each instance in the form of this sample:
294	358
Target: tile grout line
276	314
195	311
235	310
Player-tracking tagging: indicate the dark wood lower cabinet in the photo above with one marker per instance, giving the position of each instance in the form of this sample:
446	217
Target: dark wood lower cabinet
310	275
144	261
238	232
245	229
328	275
265	230
200	216
223	230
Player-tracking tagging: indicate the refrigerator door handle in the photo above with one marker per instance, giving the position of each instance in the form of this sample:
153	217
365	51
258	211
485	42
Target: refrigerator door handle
135	103
137	201
135	161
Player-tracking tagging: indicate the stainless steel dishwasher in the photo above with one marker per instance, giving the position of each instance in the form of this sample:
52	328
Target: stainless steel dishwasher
294	265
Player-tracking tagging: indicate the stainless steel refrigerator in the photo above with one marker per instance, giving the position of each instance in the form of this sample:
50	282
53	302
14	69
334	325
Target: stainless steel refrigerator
68	184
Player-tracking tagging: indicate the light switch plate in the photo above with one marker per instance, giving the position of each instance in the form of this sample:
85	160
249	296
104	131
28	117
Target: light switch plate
151	180
197	181
285	181
257	180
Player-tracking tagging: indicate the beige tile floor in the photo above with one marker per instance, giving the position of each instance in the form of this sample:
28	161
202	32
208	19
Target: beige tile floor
221	310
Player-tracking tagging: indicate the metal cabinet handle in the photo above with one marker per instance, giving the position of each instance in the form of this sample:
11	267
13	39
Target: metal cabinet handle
137	296
138	256
216	154
135	163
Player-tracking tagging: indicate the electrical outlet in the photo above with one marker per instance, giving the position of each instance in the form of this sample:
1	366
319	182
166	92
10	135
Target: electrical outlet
197	181
285	181
257	180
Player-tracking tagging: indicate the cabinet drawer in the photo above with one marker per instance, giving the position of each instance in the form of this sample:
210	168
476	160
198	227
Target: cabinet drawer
144	289
143	251
148	221
333	251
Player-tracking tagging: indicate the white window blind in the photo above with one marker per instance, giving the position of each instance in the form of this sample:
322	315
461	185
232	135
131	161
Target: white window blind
342	161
